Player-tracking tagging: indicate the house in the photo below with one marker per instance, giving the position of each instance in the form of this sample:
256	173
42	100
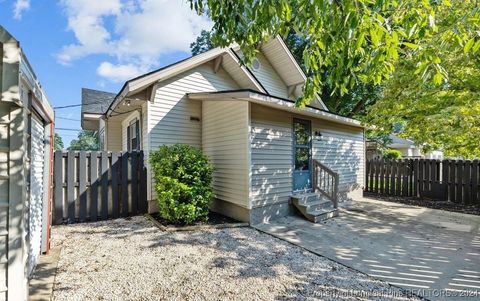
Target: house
263	148
26	141
407	148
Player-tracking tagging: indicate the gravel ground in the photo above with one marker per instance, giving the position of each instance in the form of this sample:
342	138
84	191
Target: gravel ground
133	260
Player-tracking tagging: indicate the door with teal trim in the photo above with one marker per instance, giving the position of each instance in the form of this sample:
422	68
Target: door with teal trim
302	150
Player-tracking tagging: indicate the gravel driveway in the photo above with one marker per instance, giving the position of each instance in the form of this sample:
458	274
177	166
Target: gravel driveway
133	260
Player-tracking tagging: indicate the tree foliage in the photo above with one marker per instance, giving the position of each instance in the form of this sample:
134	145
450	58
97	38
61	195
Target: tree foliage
442	114
86	140
203	43
347	42
58	142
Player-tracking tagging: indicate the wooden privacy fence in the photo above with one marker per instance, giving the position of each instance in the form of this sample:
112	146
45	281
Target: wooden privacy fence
457	181
91	186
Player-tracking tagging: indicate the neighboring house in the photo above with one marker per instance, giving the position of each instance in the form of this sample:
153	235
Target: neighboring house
243	118
406	146
26	141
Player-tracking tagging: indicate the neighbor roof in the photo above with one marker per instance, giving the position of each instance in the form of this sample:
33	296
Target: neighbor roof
400	142
96	102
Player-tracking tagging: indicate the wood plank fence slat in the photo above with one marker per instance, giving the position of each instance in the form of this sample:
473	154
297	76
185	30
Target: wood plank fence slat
58	189
459	186
134	181
94	186
104	180
115	182
82	189
143	205
475	182
70	186
124	178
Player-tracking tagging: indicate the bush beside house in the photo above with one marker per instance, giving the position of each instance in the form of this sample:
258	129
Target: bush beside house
183	182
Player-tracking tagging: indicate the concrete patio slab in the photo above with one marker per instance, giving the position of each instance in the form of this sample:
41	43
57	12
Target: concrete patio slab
433	253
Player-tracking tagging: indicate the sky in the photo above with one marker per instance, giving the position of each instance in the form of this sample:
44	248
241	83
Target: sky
97	44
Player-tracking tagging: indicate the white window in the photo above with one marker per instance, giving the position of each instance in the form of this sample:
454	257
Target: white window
133	135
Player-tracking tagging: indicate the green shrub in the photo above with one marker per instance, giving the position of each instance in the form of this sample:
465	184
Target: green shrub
391	154
183	182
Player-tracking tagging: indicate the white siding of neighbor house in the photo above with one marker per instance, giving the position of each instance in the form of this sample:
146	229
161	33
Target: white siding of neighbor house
269	78
341	148
272	156
225	140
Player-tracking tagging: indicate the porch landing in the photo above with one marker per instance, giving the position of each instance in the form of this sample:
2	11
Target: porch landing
423	250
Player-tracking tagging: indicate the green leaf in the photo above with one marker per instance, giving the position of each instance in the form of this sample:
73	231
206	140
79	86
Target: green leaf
410	45
437	78
468	45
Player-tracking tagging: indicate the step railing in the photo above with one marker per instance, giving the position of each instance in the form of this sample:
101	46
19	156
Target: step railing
326	182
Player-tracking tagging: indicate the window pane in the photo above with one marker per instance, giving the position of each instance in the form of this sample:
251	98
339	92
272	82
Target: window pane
302	133
302	159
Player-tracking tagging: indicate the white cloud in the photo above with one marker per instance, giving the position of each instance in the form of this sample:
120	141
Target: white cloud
118	73
19	7
135	33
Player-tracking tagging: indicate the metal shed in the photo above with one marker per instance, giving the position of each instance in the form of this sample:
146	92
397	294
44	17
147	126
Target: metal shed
26	148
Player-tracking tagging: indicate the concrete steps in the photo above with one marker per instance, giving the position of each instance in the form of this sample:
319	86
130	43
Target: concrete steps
314	207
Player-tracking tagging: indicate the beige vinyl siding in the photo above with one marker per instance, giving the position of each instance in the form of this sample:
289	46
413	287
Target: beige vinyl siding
225	140
341	148
169	114
113	135
269	78
272	157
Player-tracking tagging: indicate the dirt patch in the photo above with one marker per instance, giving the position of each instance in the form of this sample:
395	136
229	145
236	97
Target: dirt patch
414	201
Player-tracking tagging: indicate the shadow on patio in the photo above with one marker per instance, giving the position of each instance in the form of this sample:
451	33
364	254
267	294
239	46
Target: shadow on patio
417	249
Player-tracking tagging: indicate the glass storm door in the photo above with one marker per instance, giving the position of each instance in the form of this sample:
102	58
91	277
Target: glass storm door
302	155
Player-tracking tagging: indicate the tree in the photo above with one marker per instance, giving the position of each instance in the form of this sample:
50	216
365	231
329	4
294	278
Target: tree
203	43
347	42
86	140
57	142
436	115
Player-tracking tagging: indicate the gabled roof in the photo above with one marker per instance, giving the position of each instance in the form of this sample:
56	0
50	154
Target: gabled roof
276	51
95	101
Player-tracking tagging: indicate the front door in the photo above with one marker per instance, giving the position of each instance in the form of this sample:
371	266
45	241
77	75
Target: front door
302	155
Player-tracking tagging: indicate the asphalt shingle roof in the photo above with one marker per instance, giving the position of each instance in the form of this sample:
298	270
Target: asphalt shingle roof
96	102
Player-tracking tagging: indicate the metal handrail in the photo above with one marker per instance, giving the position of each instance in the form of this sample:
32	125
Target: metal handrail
326	182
